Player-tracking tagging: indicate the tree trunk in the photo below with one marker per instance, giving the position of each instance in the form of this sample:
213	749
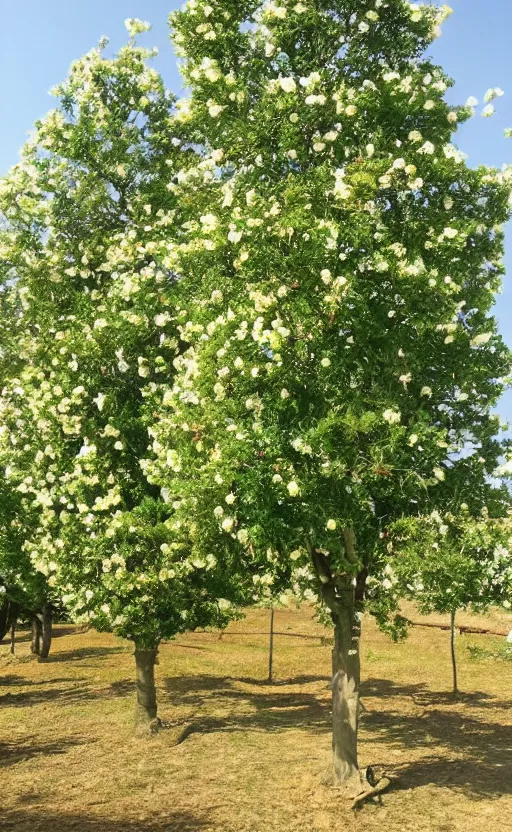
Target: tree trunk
345	691
271	645
146	707
46	632
452	645
4	619
37	630
13	635
344	596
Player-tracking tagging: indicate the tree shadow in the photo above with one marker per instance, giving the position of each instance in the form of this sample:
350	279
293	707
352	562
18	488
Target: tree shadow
471	754
20	821
278	683
22	636
81	692
17	752
422	696
83	653
476	755
245	710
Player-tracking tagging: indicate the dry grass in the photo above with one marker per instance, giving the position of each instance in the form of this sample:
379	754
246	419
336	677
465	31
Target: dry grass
257	753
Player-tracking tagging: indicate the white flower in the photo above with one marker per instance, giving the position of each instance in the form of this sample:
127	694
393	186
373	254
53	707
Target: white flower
325	362
136	26
472	101
370	150
287	84
415	136
439	474
393	417
230	499
331	525
89	594
227	524
215	110
162	319
413	439
218	511
315	99
284	393
480	340
509	638
351	110
488	111
105	608
100	401
293	488
363	26
492	93
426	391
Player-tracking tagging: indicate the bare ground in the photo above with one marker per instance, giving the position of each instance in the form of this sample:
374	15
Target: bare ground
254	756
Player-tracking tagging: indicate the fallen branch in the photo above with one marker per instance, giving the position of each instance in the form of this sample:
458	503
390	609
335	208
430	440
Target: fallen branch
371	790
462	628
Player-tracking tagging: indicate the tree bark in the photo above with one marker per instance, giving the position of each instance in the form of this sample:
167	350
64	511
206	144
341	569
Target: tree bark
13	634
271	646
345	690
452	646
46	631
37	629
146	705
4	620
343	596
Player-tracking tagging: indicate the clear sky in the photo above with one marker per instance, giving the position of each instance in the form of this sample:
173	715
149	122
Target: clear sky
40	38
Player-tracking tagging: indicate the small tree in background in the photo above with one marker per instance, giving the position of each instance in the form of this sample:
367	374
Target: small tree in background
448	562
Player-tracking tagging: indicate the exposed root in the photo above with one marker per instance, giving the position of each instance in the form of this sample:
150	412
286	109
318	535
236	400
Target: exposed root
370	789
145	730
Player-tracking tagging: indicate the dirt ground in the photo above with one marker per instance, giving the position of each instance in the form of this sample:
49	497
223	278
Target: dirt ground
256	754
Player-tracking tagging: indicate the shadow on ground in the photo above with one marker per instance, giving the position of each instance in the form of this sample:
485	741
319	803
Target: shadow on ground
471	754
37	821
475	755
17	752
272	710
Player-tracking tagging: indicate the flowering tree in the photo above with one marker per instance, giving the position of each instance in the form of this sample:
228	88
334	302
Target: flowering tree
448	562
89	219
340	276
23	590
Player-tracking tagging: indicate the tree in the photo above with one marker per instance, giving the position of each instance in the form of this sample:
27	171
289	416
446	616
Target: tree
24	592
339	281
448	563
89	220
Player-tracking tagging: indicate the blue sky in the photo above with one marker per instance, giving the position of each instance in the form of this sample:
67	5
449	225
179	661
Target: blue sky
39	39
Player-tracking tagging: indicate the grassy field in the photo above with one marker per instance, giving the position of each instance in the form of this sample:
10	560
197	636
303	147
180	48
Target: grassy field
256	754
